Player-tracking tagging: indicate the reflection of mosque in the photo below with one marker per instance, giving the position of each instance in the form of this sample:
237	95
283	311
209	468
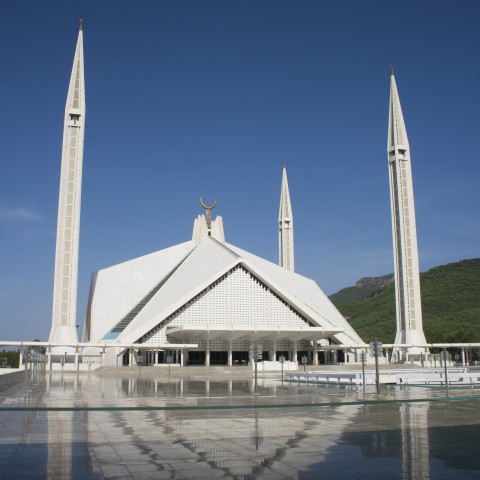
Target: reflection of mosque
236	442
239	442
267	438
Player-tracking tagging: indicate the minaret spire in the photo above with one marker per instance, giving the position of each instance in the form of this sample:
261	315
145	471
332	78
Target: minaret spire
285	226
68	224
407	273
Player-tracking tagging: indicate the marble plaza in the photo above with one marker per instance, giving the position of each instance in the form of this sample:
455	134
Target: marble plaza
143	423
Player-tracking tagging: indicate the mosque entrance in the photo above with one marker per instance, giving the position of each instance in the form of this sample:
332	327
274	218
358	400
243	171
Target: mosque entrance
283	354
321	358
196	357
240	358
300	355
218	358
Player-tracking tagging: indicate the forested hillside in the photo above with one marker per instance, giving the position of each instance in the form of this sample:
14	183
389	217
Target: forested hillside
450	302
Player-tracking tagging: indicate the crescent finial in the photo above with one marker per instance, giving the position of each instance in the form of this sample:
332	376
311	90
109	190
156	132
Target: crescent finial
207	207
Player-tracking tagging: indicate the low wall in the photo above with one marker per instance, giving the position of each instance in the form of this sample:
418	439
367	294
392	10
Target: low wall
267	366
10	376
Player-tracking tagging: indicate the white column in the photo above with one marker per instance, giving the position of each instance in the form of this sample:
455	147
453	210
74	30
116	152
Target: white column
272	344
230	363
207	354
315	352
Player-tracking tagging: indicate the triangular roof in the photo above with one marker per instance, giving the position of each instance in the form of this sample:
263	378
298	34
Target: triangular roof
116	289
192	268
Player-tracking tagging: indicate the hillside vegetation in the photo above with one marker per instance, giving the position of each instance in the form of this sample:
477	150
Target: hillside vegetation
450	303
365	288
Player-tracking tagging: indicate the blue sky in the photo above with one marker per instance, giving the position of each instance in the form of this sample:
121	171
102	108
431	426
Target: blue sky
209	97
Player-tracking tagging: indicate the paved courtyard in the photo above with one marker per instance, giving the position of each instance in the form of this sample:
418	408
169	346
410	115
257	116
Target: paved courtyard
144	424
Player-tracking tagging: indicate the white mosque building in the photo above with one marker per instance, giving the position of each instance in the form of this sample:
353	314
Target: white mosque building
216	297
206	301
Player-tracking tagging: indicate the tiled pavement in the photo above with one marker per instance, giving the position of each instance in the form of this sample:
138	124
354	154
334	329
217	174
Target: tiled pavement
144	426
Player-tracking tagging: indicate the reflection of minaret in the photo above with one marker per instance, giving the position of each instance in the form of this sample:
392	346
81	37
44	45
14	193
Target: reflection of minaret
407	275
68	226
62	427
285	226
415	445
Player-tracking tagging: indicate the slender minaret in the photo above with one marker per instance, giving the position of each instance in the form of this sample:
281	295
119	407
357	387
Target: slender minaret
68	225
285	226
407	274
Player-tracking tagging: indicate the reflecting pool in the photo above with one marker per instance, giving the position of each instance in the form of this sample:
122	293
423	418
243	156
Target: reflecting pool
145	424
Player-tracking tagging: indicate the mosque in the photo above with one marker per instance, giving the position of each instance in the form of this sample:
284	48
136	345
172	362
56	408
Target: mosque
206	301
223	299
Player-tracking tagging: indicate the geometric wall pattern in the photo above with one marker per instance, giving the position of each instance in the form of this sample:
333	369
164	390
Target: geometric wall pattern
238	299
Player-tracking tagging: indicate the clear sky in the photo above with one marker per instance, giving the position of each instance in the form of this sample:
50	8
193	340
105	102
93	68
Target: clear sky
209	97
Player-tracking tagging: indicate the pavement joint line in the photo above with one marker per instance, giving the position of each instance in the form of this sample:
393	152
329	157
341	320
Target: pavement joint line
234	407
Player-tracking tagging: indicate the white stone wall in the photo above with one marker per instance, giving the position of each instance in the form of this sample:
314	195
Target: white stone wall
237	299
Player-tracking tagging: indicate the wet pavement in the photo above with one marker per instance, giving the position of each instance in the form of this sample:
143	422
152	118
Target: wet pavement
142	425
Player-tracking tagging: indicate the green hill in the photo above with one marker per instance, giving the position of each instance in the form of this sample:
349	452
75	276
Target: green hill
450	303
365	288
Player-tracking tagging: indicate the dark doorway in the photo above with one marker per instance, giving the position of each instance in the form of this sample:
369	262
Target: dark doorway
240	358
218	358
300	355
282	354
196	357
125	358
321	358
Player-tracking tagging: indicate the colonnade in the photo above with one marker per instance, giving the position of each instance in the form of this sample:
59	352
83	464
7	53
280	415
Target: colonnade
146	356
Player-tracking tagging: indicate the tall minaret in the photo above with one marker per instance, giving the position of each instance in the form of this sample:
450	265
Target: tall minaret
68	225
285	226
407	274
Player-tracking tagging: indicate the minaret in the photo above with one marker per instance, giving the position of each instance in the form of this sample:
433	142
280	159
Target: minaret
407	274
68	225
285	226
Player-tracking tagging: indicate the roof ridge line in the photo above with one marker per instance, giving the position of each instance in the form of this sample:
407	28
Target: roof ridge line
228	250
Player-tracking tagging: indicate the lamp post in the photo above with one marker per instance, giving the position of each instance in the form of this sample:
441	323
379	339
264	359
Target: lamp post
444	356
304	362
376	351
139	361
255	354
282	361
363	369
169	361
64	361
